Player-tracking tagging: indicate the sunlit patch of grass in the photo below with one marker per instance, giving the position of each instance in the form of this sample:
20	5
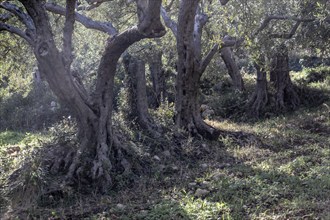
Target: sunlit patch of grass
205	209
227	125
11	138
189	207
17	152
287	177
8	138
15	146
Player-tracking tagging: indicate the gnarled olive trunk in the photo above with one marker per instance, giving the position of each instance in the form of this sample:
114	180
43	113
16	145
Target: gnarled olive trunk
233	71
286	96
189	72
137	95
99	155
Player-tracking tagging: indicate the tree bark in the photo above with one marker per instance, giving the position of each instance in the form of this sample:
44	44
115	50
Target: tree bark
286	96
100	156
233	71
189	72
158	79
259	98
137	96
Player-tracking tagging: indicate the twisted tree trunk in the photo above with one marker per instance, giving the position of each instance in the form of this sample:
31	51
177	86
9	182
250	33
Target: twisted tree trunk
99	156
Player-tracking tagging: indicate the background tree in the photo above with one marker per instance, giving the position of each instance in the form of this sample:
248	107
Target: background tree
278	22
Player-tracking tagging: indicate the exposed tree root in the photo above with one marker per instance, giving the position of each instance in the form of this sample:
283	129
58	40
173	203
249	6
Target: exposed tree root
257	103
286	96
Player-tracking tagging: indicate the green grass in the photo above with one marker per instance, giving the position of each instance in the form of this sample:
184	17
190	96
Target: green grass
287	178
15	147
9	138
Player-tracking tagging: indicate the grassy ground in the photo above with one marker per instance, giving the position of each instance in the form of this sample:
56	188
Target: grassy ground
276	168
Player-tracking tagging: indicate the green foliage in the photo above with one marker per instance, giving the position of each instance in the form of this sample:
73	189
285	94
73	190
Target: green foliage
14	146
189	208
30	112
21	170
167	210
16	66
21	139
64	131
164	114
10	138
319	74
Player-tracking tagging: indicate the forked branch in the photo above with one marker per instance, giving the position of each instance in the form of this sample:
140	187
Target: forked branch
105	27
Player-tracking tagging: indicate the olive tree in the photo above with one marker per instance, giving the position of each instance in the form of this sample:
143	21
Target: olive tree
100	154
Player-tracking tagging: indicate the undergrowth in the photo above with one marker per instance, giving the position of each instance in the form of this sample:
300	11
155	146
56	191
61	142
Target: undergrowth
275	168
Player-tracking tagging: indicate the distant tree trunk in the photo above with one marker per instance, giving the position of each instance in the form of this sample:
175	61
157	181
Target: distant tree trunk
259	98
137	95
272	73
158	78
233	71
189	72
286	96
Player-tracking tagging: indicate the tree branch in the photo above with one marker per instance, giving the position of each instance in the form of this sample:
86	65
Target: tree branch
105	27
169	22
92	4
200	21
67	32
287	35
206	61
24	18
17	31
268	19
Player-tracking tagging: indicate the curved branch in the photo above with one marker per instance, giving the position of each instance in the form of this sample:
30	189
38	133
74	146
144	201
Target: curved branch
17	31
268	19
24	18
208	58
105	27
